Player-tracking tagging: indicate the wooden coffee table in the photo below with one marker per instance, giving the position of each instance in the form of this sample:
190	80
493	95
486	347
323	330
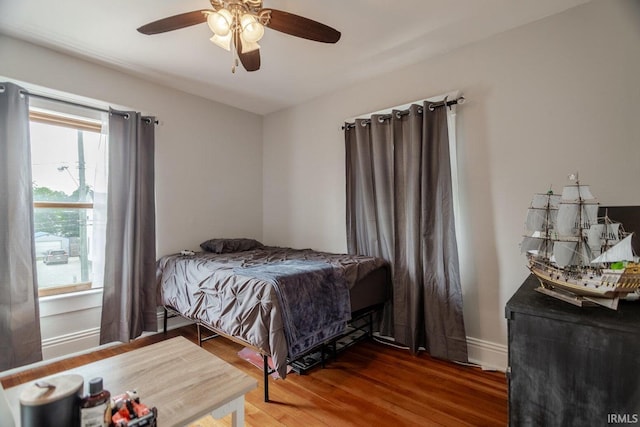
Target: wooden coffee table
182	380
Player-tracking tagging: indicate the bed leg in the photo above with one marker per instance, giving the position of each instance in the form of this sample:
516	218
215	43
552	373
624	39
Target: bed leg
199	334
265	361
166	316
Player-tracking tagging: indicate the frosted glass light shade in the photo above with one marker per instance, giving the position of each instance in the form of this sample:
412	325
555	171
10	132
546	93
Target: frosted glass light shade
220	22
252	30
222	41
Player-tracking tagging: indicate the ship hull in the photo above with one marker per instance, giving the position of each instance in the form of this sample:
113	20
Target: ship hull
603	284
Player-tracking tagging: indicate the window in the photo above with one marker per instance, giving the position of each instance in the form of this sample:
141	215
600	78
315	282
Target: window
68	156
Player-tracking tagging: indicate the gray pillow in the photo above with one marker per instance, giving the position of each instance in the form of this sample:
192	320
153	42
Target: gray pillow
223	246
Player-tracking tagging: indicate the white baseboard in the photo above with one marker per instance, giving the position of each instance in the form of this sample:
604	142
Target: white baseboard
64	345
89	339
487	354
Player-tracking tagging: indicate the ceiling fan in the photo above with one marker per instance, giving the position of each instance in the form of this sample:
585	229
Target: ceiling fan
238	25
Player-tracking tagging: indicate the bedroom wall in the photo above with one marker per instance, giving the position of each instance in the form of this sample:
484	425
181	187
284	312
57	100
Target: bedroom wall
556	96
200	147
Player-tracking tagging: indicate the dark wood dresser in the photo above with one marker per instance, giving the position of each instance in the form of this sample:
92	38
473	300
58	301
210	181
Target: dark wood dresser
572	366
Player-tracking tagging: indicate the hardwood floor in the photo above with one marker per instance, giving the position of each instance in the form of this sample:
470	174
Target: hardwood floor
370	384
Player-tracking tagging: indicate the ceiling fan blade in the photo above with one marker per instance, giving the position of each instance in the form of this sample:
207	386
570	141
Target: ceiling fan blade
250	60
174	22
300	26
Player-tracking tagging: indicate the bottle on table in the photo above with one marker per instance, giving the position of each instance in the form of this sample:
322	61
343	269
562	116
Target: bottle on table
95	408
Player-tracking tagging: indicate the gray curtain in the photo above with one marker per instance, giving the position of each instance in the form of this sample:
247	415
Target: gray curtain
400	208
129	296
20	341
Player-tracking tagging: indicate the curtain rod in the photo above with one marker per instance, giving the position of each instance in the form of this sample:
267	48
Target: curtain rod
76	104
432	106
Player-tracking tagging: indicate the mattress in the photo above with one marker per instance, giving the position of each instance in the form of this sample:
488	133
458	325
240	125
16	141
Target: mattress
239	295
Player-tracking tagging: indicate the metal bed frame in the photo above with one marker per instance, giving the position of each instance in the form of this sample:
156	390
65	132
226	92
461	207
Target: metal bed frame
267	370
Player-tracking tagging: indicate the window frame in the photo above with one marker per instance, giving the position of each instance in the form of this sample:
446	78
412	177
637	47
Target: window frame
60	119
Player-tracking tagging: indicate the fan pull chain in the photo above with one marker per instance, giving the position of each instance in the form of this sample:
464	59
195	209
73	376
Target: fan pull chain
234	56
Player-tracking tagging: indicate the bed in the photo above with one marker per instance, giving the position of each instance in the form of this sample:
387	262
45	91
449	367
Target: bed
282	302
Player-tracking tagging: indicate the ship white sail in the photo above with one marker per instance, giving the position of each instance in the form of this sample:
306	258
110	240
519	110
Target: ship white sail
541	219
536	246
530	245
571	253
577	192
563	252
620	252
541	216
602	236
574	217
542	201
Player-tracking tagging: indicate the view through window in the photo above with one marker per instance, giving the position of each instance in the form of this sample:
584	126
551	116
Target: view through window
68	156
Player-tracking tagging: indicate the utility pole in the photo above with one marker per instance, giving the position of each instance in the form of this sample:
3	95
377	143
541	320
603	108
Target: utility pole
82	214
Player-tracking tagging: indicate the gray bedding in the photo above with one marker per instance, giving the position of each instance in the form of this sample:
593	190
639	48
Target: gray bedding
281	301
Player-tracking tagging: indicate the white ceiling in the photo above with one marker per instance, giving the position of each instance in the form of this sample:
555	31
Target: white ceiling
377	36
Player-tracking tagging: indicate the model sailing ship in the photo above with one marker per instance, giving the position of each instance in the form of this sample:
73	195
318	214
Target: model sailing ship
576	256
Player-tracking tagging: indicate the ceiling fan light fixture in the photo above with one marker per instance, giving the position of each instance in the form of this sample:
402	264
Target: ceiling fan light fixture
222	41
252	29
220	22
238	26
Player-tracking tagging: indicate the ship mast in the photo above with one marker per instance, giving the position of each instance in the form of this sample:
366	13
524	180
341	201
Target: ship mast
605	246
547	243
582	248
580	238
